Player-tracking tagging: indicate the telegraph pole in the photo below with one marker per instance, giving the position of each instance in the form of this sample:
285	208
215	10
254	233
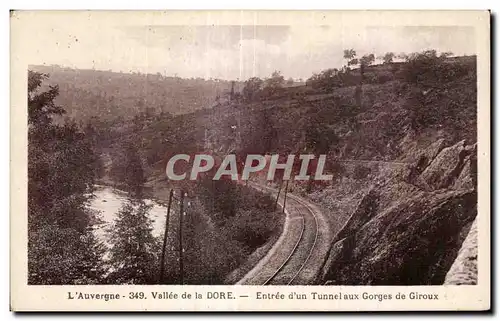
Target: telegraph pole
278	196
284	201
181	249
165	240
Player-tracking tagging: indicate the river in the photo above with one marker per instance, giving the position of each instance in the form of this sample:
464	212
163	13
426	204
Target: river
108	202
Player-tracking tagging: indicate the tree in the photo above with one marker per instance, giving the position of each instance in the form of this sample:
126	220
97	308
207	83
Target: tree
251	88
402	55
260	134
210	254
274	83
364	62
320	136
127	170
349	56
388	57
326	80
290	81
353	62
64	256
61	176
423	67
446	54
93	138
231	94
41	106
134	250
428	103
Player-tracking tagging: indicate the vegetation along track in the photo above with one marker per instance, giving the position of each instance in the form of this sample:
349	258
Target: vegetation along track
297	256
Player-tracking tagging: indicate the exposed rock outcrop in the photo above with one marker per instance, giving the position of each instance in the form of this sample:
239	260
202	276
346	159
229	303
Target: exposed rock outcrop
414	242
446	167
468	176
413	153
464	269
423	158
409	232
367	208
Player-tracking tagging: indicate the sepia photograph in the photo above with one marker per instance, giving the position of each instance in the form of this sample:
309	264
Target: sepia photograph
250	148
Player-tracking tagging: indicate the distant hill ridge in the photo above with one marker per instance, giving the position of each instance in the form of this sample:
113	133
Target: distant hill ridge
86	93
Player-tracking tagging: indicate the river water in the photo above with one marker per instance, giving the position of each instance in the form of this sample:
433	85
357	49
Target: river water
108	202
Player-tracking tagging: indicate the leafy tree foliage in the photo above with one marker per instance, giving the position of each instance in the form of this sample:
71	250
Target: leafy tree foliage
275	81
274	84
446	54
427	69
364	62
61	174
127	170
388	57
432	80
350	57
326	80
252	87
259	134
320	137
134	251
64	256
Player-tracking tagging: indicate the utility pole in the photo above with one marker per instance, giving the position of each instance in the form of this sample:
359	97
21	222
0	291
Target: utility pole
165	239
284	201
213	196
238	134
231	97
278	196
181	249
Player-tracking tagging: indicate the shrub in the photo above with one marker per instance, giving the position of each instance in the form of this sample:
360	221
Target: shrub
360	172
428	69
442	91
337	169
383	77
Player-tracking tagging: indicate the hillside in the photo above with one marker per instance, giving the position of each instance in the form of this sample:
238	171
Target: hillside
110	95
400	141
404	194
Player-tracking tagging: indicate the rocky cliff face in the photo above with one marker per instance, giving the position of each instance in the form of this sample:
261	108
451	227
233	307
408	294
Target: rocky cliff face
464	269
410	226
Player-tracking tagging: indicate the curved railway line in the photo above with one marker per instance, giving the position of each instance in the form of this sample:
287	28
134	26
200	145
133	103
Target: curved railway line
297	256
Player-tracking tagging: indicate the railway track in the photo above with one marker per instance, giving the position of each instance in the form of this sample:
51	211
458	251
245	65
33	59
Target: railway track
294	258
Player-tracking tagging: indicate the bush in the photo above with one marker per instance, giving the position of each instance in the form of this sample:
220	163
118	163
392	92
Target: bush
441	92
337	169
427	69
361	172
326	80
383	77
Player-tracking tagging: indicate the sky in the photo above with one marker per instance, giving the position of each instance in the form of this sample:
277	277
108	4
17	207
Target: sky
230	51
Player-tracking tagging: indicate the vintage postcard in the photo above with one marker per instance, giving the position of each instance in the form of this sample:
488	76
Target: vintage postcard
250	161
